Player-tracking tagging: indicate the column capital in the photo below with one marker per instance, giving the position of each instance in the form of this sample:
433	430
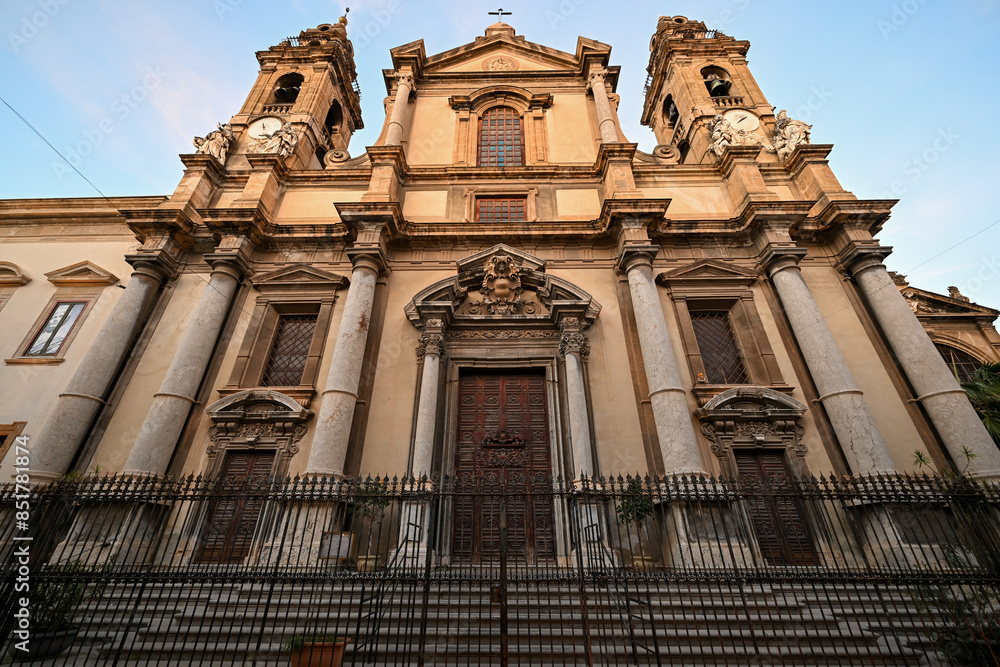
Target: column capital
632	256
231	257
404	79
596	77
780	257
857	257
574	342
430	344
158	258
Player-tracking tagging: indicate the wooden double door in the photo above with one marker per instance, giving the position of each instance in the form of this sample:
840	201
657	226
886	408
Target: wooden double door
503	469
777	514
235	507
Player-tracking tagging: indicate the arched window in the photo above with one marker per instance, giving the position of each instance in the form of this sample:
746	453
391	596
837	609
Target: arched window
334	118
501	139
962	364
717	81
286	90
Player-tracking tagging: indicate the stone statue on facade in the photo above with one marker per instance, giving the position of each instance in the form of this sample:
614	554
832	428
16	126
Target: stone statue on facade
954	293
789	134
724	134
216	143
281	142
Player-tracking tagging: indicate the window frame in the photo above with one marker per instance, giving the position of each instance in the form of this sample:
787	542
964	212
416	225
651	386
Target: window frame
481	199
293	290
518	148
727	312
713	285
530	107
474	194
22	355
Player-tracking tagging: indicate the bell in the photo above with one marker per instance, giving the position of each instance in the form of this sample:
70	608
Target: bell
718	87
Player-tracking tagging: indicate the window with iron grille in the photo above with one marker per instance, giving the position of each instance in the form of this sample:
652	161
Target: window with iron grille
501	139
58	324
495	209
720	353
289	351
962	364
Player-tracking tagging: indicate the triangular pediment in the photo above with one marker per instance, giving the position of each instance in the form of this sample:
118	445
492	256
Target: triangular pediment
923	302
516	54
12	275
298	276
476	261
709	270
81	273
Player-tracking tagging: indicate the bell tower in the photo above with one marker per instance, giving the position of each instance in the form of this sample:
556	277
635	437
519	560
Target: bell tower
694	75
310	82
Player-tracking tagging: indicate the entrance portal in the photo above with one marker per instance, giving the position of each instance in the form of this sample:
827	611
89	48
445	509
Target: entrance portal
502	455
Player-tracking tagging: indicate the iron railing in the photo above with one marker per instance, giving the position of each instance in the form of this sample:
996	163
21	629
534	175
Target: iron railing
882	570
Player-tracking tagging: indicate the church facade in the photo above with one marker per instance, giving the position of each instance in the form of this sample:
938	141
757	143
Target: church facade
502	287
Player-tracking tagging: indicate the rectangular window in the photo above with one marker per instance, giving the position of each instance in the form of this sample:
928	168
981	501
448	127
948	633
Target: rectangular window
720	353
509	209
289	351
57	327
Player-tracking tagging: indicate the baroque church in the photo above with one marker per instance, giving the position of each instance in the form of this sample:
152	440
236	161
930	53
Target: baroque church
502	285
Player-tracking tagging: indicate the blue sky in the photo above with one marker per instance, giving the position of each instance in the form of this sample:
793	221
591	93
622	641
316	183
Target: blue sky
907	91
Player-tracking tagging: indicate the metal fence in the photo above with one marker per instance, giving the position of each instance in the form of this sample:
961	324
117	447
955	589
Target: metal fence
503	569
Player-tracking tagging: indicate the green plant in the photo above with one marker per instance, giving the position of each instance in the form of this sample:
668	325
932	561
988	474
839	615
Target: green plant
55	601
297	641
983	390
372	497
634	503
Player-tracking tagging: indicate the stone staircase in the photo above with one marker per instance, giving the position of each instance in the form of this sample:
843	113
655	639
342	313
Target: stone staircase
220	624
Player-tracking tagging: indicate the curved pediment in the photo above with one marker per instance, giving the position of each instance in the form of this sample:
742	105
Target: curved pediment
502	286
257	405
752	403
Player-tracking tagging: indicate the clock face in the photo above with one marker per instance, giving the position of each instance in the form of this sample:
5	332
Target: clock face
263	128
743	120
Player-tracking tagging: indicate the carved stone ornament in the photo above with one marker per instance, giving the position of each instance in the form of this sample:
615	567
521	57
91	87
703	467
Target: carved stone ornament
502	285
574	343
499	64
281	142
724	135
216	143
255	418
498	293
752	417
789	134
430	343
667	154
335	157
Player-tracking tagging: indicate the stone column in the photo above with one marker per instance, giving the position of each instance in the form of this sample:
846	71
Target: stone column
937	389
606	120
674	430
336	412
400	107
165	420
574	349
845	405
432	347
67	426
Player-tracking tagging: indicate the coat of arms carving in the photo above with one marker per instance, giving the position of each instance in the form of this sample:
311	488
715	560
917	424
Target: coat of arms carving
502	285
